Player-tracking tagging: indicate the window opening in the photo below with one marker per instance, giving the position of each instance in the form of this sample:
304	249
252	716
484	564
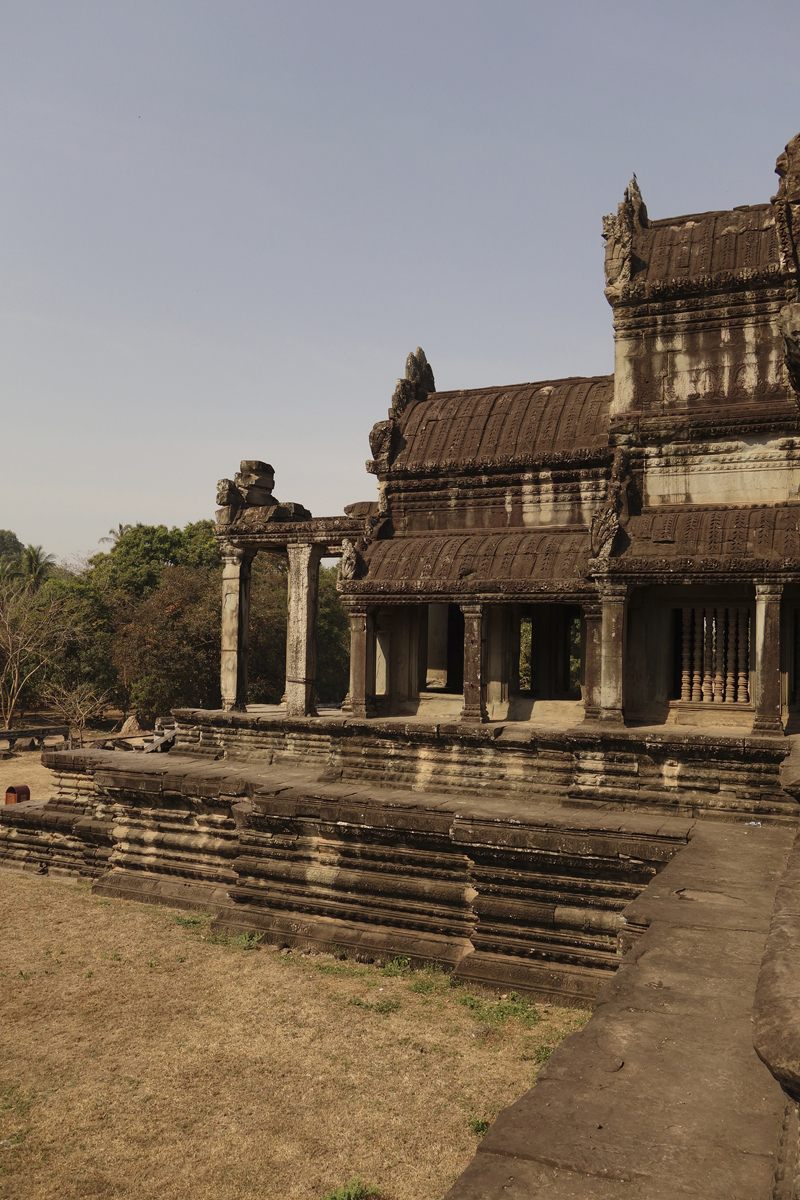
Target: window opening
712	654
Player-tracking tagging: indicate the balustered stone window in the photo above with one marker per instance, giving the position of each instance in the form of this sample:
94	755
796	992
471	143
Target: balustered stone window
712	653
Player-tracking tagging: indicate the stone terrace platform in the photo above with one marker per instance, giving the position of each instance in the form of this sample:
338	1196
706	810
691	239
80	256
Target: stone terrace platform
662	1095
648	901
690	773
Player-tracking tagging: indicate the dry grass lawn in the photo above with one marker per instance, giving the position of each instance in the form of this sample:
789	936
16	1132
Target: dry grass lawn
25	766
143	1058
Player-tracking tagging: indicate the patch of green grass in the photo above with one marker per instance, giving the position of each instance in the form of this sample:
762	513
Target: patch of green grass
479	1126
332	968
191	922
429	980
396	966
12	1100
384	1007
494	1012
354	1189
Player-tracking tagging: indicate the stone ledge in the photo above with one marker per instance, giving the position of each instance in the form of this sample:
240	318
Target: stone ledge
661	1095
776	1013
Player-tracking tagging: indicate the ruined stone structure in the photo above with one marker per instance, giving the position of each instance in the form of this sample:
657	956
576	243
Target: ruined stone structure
639	531
567	762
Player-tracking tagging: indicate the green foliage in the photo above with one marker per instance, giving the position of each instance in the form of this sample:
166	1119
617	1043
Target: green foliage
525	627
333	641
190	922
135	563
479	1126
144	630
496	1011
34	566
166	644
10	546
354	1189
396	966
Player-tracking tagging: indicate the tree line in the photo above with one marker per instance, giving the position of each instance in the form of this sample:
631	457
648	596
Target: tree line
137	627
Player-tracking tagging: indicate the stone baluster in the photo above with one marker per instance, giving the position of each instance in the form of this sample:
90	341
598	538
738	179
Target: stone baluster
235	633
474	710
743	655
767	689
719	655
730	655
612	668
708	648
301	629
686	653
362	662
592	667
697	677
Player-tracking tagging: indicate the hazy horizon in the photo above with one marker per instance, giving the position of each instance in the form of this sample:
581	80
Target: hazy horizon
225	226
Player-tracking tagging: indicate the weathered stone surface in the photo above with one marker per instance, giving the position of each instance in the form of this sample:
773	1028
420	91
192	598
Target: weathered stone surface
776	1013
661	1095
505	892
691	772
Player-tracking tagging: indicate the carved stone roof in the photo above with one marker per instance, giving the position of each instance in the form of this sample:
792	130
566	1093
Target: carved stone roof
703	244
463	563
499	426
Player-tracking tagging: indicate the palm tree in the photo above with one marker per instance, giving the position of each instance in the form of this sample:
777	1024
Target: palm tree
34	566
115	534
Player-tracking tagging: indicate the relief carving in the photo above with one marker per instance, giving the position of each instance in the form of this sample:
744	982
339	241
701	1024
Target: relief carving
789	325
385	439
609	520
619	231
786	204
350	562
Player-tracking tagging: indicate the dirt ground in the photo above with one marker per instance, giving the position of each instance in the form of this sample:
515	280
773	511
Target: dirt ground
26	767
144	1058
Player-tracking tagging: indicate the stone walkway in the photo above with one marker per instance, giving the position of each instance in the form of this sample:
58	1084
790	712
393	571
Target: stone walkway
662	1095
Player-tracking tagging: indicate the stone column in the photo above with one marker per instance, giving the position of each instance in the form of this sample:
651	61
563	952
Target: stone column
767	689
362	662
301	630
474	710
614	601
236	565
592	663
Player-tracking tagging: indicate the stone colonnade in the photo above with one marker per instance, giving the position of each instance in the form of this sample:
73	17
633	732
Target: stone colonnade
604	654
301	629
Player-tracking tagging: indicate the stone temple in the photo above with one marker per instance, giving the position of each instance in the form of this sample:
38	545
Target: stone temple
568	761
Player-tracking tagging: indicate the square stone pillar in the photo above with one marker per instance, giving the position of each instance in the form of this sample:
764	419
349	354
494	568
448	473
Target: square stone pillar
362	662
592	660
236	568
474	710
767	682
614	604
301	630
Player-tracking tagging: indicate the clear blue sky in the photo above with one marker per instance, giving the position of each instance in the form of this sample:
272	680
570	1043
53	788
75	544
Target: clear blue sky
225	224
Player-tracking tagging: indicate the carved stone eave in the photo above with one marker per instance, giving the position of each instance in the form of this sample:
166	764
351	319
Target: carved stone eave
487	591
746	279
686	571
